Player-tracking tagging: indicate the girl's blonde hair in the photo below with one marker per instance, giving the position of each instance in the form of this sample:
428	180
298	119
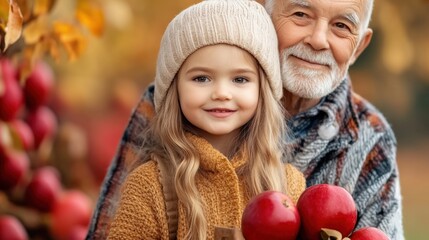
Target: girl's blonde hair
261	140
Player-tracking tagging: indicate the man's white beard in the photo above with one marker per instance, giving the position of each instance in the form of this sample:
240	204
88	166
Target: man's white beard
306	82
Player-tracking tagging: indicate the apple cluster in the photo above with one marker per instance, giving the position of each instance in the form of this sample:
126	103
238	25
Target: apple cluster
323	212
33	200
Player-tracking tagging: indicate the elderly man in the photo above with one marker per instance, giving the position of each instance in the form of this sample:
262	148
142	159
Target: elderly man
337	136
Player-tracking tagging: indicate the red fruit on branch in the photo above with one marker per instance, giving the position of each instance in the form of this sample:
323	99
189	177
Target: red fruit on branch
44	189
38	85
11	228
77	233
326	206
270	215
14	166
43	124
368	233
73	209
11	96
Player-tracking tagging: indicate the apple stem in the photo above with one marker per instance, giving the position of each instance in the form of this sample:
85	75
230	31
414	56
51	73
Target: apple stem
285	203
330	234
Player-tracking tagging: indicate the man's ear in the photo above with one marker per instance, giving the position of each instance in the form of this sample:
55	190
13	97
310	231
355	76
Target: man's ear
364	42
261	1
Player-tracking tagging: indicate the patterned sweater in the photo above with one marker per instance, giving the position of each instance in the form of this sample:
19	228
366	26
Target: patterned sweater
142	213
344	140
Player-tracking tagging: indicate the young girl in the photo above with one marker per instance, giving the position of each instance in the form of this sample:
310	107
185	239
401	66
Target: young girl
217	137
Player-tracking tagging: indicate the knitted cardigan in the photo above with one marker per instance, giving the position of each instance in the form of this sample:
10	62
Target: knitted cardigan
344	140
142	210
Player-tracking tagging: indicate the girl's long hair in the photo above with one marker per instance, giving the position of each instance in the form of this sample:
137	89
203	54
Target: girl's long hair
261	140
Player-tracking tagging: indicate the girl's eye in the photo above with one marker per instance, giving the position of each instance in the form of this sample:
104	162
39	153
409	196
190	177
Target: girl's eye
240	80
201	79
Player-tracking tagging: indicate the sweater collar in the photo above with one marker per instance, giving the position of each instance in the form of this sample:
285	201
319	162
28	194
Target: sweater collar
210	158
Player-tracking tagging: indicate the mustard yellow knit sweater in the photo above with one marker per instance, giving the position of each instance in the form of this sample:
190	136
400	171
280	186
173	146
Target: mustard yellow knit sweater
141	213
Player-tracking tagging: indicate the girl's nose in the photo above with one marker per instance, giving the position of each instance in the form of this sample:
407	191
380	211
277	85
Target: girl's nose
221	91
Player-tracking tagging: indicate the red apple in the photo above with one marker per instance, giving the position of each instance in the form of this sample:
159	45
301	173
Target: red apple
11	228
270	215
38	85
22	133
44	188
73	209
326	206
368	233
14	166
11	96
43	124
78	233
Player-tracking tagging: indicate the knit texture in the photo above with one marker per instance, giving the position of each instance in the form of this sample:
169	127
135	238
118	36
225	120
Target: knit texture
242	23
361	157
142	214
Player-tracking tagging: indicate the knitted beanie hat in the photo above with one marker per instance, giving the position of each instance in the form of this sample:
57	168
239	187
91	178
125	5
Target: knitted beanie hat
242	23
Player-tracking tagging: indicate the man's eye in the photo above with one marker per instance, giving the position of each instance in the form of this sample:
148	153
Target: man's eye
299	14
342	26
240	80
201	79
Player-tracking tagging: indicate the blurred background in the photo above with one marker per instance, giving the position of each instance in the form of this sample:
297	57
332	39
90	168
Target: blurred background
107	66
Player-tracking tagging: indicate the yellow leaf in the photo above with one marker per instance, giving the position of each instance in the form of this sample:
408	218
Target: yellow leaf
4	11
90	15
25	9
42	6
71	38
27	62
53	49
35	30
14	25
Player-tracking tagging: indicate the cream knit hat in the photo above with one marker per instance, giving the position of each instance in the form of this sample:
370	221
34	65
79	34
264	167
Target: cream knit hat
242	23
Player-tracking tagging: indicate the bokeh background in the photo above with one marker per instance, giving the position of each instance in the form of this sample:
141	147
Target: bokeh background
95	94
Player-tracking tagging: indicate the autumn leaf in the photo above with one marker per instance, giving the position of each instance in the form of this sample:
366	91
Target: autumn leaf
35	30
30	55
4	12
71	38
25	8
43	6
14	25
90	15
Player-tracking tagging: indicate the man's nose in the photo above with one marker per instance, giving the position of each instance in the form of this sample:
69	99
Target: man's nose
317	37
